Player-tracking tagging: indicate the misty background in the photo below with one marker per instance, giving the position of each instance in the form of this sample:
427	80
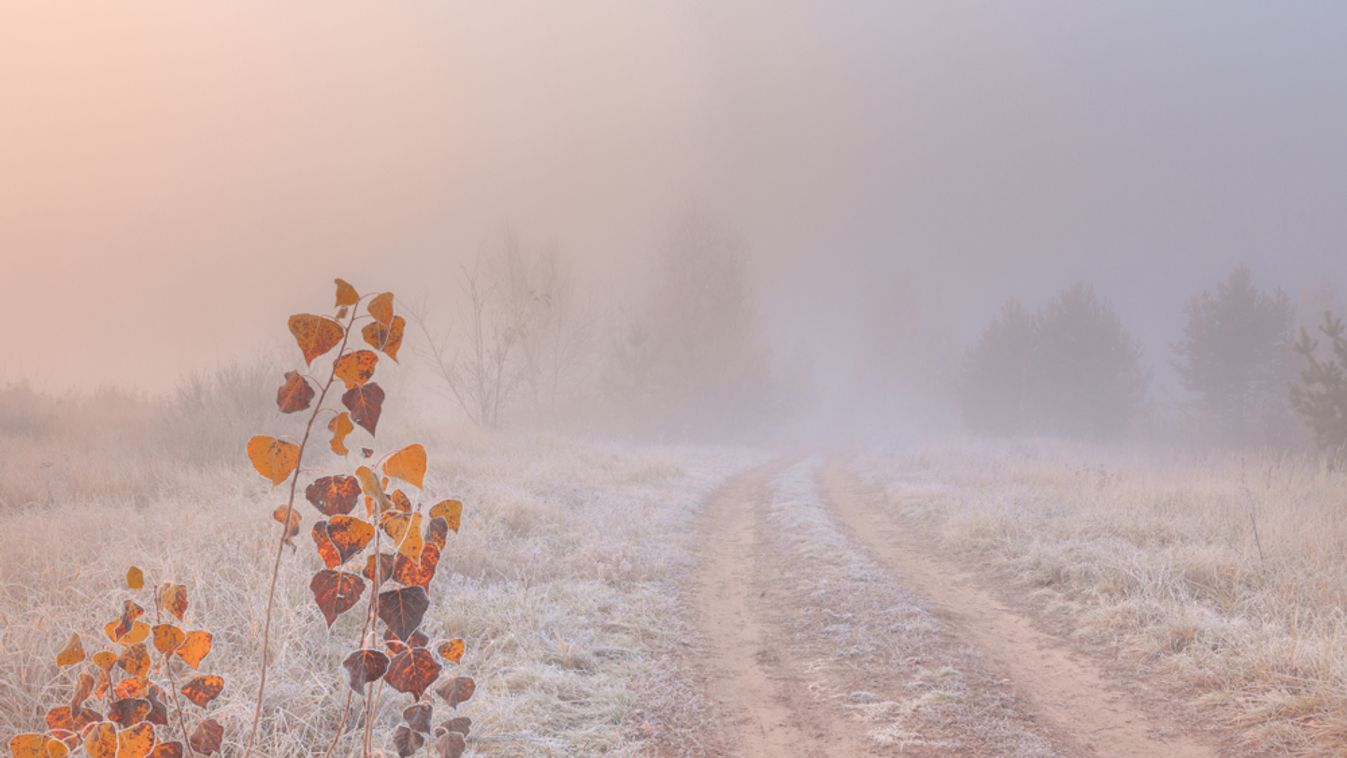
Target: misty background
827	208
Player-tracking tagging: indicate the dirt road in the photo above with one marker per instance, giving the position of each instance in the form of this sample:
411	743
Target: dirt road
830	633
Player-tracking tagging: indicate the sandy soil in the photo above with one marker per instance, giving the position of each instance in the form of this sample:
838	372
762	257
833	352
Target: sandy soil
828	632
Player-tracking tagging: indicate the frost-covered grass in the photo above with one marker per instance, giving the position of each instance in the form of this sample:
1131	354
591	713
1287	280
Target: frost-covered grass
563	581
1155	555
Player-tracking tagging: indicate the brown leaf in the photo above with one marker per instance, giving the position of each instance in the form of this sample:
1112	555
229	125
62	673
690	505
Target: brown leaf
173	597
128	711
437	534
381	307
167	750
365	403
452	650
365	666
70	719
272	458
294	394
346	294
396	645
207	736
356	368
386	564
457	690
336	592
449	510
135	578
406	741
292	528
417	573
401	501
135	659
333	495
460	724
158	710
340	426
387	339
402	609
450	744
408	464
418	716
412	670
203	689
126	622
315	335
72	653
196	647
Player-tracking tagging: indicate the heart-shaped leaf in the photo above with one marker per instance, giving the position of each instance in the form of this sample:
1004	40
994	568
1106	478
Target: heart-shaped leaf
135	578
101	740
203	689
457	690
315	335
408	464
196	647
365	403
385	338
173	597
207	736
356	368
386	565
346	294
336	592
406	741
449	744
405	529
418	573
365	666
128	711
341	537
167	750
135	659
402	610
292	528
168	638
412	671
452	650
418	716
449	510
132	687
294	394
333	495
272	458
381	307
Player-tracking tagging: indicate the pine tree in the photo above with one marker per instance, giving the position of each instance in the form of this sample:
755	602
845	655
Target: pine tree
994	374
1235	353
1321	395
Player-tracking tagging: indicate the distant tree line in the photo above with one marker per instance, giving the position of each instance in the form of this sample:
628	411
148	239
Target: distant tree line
1072	369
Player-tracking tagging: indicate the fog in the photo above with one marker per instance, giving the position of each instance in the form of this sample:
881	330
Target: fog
179	177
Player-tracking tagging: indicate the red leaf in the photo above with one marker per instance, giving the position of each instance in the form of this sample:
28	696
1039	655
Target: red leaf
412	671
365	666
295	394
334	495
336	592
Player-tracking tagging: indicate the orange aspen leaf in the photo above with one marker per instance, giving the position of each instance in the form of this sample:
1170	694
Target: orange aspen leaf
340	426
408	464
315	335
173	597
453	650
203	689
168	638
72	653
101	740
381	307
346	294
336	592
449	510
385	338
135	659
135	578
195	646
167	750
272	458
356	368
136	741
292	528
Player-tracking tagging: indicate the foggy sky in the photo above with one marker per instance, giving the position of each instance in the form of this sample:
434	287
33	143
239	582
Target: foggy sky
180	176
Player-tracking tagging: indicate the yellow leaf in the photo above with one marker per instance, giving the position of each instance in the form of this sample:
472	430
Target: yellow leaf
408	464
405	529
449	510
168	638
135	578
315	335
274	459
356	368
369	484
135	741
72	653
346	294
340	426
381	308
196	647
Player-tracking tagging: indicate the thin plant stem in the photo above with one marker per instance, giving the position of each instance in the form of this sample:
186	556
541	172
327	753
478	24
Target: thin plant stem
173	681
285	528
